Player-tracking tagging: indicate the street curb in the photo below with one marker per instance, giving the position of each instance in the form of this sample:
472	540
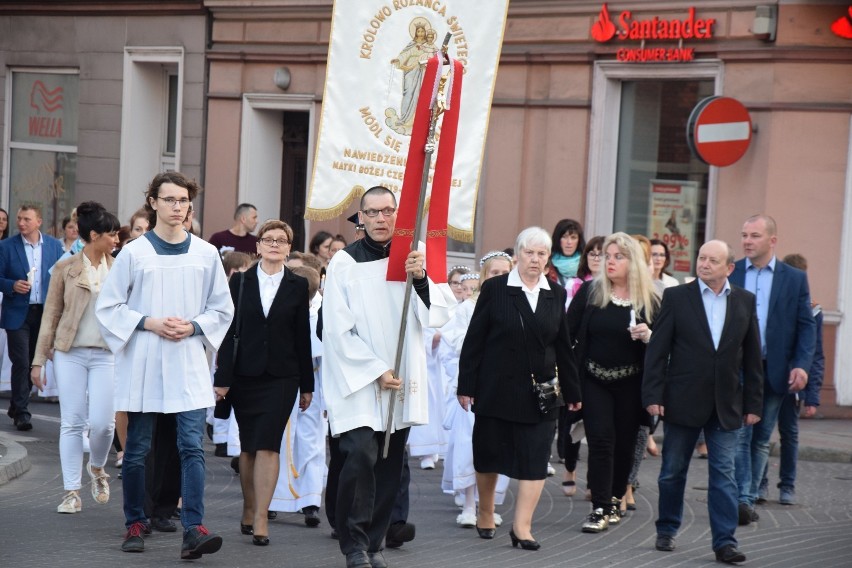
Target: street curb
14	461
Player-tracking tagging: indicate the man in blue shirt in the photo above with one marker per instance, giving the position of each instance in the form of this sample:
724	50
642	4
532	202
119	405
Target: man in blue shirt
787	339
705	339
25	262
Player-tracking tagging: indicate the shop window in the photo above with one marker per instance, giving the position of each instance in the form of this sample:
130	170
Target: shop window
42	143
660	187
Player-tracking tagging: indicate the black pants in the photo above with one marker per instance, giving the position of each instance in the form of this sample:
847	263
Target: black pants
367	488
22	343
568	448
612	414
335	464
162	469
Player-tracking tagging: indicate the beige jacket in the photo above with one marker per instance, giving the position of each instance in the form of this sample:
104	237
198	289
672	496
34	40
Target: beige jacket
67	299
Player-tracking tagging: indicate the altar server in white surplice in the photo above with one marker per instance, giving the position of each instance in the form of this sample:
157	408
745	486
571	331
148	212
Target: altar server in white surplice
165	300
302	474
361	318
429	441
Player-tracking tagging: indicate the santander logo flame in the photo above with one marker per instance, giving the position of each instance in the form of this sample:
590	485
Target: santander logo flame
42	98
603	30
842	27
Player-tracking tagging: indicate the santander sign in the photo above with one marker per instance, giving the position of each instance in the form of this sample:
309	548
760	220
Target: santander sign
655	28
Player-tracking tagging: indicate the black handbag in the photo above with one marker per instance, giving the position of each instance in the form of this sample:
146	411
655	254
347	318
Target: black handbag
547	393
222	410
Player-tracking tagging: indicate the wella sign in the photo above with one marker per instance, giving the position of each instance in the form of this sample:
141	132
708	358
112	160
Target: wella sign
627	28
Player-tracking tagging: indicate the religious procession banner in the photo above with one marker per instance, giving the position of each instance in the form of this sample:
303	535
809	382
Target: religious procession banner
376	62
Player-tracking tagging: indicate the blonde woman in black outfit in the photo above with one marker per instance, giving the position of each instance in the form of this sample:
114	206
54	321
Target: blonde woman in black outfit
610	317
273	366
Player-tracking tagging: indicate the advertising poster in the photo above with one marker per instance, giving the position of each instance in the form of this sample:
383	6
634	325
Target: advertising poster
673	209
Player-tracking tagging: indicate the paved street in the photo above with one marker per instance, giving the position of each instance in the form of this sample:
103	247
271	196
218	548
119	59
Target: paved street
816	533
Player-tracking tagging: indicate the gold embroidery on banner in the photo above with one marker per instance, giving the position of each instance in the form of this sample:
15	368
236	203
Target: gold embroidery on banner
403	233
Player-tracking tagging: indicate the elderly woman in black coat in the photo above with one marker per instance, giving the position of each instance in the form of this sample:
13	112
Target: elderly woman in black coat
518	335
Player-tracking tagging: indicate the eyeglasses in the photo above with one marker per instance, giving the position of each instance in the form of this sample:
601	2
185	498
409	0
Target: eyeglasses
616	256
171	201
387	212
594	255
269	241
454	283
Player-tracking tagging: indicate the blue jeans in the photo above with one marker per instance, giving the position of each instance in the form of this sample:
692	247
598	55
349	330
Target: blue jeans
722	486
753	447
190	437
788	428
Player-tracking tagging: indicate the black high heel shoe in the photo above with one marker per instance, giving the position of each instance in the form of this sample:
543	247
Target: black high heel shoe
487	534
525	544
246	529
260	540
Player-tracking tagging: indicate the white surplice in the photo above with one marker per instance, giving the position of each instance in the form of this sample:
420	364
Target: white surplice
362	312
431	439
154	374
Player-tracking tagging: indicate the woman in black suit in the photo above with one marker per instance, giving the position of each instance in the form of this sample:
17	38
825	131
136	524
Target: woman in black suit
518	329
272	364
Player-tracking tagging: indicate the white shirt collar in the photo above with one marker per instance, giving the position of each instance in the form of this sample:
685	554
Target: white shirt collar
263	276
726	289
515	280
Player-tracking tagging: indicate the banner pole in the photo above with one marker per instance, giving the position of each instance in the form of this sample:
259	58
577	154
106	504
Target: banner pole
428	150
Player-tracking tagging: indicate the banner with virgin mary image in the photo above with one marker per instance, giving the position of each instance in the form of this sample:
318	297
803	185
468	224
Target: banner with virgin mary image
376	62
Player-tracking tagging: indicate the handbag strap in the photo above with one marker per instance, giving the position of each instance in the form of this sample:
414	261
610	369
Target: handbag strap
526	348
239	312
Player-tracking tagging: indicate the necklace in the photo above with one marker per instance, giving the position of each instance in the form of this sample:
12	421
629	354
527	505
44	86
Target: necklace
619	301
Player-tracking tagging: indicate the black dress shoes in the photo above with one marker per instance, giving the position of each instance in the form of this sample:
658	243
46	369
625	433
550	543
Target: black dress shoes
525	544
358	559
259	540
398	534
487	534
746	514
23	424
665	543
162	524
246	529
729	555
312	518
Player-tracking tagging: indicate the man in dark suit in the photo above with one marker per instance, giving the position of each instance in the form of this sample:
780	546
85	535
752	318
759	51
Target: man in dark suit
787	339
705	339
25	261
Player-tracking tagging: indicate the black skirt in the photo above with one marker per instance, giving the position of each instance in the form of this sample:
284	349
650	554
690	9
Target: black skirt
517	450
262	406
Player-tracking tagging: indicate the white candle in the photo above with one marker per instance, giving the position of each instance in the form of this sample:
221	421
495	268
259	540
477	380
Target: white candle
31	275
632	318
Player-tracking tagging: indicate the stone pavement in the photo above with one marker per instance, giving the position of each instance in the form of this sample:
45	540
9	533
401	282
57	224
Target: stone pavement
814	533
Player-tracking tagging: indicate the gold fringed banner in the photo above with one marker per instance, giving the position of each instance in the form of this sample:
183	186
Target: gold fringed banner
376	61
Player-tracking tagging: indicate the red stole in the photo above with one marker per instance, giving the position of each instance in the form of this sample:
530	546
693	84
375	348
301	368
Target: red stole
436	228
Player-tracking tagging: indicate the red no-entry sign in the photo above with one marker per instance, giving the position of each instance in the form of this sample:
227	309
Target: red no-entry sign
719	131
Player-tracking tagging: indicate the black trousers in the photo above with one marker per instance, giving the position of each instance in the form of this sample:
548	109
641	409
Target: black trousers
22	344
367	488
335	464
567	448
612	412
162	469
